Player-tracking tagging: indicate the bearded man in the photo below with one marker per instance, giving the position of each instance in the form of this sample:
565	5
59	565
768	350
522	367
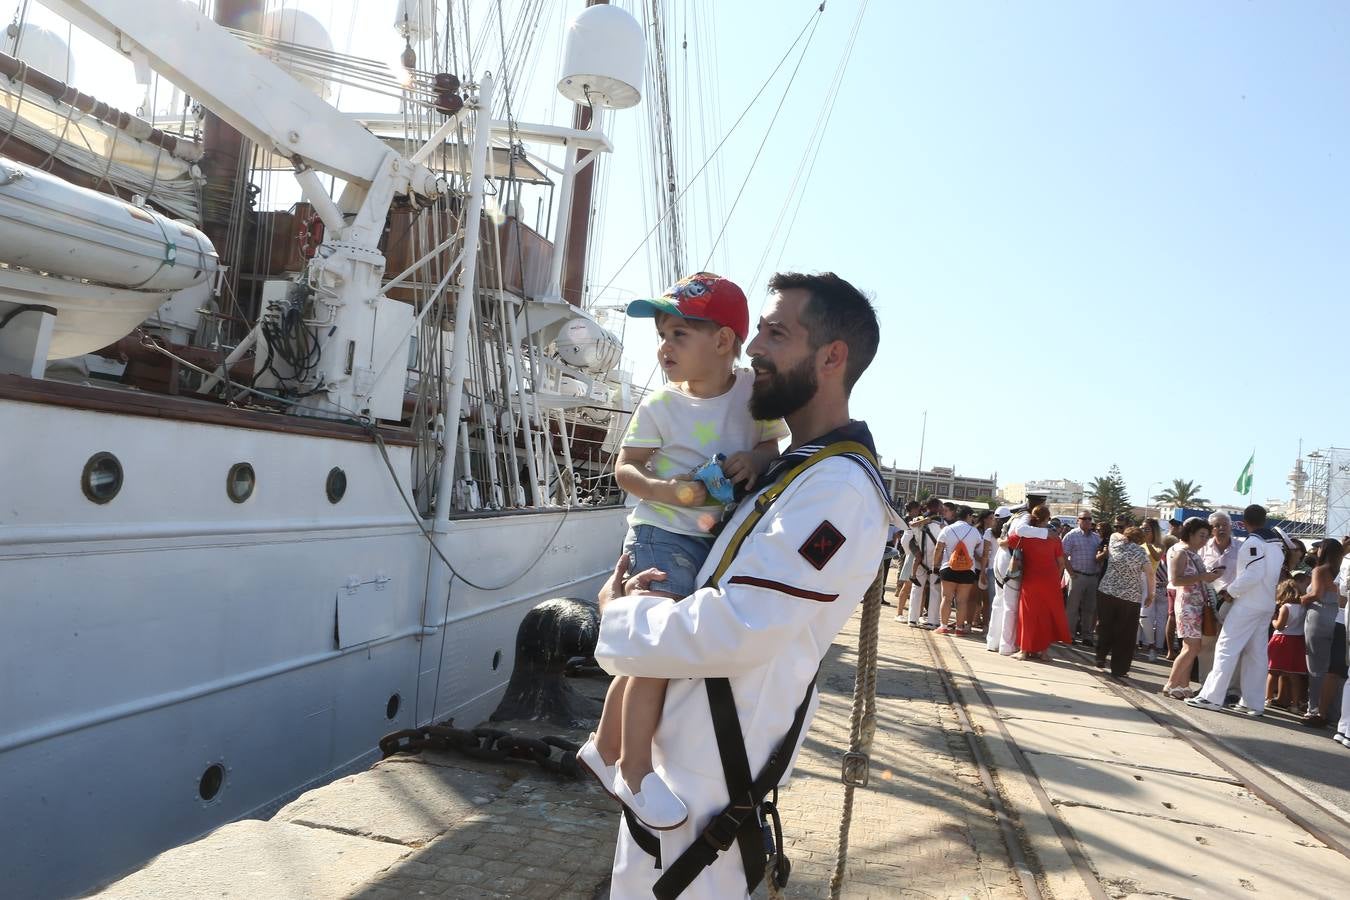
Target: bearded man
786	572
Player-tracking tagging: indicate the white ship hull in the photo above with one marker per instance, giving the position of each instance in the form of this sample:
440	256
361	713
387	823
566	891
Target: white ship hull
147	639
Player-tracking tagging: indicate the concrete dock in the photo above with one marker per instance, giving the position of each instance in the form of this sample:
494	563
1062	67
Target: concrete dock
1041	780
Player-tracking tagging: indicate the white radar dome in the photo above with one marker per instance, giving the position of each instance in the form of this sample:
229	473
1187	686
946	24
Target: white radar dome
295	27
604	58
44	50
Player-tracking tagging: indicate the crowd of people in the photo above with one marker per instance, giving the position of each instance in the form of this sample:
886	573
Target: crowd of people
1254	621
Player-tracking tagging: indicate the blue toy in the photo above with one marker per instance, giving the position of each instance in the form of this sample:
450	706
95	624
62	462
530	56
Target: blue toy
715	480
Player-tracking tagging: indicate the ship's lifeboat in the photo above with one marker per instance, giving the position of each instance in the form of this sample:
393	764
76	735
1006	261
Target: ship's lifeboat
103	264
583	344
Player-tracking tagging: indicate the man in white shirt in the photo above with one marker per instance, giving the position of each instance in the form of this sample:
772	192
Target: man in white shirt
1244	635
1221	550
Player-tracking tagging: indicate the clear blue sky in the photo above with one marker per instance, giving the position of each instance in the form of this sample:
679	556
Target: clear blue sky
1099	221
1086	226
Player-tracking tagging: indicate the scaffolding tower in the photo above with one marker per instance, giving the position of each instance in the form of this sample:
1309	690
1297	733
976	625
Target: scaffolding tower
1321	493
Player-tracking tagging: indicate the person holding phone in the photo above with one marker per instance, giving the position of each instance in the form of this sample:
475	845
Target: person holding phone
1185	575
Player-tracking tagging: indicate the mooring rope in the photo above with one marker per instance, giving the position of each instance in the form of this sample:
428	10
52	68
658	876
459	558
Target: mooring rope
863	725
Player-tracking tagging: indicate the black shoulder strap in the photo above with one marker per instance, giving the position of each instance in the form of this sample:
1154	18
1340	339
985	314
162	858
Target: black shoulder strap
647	842
739	822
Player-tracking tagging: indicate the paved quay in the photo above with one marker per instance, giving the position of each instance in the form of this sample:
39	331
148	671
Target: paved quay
1137	801
1044	780
442	825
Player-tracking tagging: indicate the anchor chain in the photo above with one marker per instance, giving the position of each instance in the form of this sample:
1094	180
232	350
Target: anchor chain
488	744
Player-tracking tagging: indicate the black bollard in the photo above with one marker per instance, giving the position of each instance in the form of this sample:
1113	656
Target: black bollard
552	633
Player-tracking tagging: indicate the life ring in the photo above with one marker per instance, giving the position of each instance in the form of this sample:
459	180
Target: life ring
310	235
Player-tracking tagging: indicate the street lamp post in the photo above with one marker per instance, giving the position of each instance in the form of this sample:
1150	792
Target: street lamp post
1148	496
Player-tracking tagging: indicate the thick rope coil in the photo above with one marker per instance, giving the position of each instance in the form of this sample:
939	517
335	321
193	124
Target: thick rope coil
863	725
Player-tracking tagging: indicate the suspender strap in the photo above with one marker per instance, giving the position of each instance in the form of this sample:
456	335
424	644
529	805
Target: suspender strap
739	823
647	842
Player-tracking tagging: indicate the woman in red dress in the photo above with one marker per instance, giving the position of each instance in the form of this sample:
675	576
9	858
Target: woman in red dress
1041	621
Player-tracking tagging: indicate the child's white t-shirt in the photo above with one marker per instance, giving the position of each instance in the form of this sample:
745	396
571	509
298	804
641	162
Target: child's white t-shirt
688	431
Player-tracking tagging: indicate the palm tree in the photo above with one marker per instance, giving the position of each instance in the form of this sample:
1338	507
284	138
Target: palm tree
1182	493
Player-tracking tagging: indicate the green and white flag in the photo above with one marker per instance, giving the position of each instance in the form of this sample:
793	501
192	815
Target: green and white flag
1244	481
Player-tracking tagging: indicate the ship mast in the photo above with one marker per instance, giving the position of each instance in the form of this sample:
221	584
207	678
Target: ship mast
579	216
224	152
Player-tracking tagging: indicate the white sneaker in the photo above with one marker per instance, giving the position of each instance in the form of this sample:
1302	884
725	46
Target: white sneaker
1201	703
1152	655
654	804
589	757
1247	710
1341	739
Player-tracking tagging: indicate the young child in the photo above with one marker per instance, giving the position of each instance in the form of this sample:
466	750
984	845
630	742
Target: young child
704	410
1287	683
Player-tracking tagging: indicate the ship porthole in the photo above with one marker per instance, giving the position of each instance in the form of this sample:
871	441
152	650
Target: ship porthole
336	486
496	660
240	481
212	780
101	478
391	708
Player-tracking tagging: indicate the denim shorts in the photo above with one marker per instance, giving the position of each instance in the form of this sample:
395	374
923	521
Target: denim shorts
680	556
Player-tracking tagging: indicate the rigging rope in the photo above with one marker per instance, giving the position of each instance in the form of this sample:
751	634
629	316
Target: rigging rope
812	149
768	131
767	81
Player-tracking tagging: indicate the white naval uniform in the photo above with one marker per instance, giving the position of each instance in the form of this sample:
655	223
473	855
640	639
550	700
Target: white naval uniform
926	537
765	628
1242	644
1002	631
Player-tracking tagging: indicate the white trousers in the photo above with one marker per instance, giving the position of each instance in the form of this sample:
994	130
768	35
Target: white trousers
1153	623
916	596
1241	649
1343	726
1001	634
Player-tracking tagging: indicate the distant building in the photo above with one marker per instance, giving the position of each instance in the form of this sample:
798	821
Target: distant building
1059	492
939	481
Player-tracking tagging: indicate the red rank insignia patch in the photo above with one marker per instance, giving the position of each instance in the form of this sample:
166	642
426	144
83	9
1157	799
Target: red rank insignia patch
822	545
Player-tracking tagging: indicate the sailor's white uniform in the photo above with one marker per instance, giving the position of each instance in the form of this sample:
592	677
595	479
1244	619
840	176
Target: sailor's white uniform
766	628
1242	645
925	577
1002	631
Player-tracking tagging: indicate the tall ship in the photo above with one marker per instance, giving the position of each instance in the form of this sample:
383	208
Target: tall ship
301	408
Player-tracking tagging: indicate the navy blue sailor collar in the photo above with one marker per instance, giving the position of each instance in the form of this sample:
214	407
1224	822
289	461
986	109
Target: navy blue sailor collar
855	431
